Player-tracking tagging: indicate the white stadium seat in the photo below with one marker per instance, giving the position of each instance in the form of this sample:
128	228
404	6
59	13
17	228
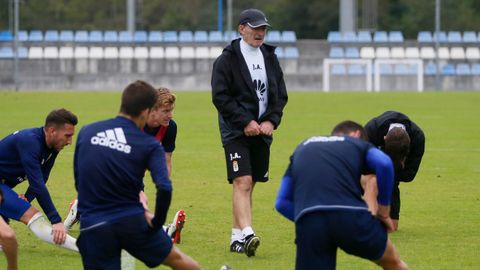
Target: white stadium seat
110	53
427	53
35	53
157	52
215	52
443	53
457	53
383	52
397	52
95	53
50	53
472	53
172	52
80	52
126	53
140	53
367	52
187	53
201	52
412	52
65	53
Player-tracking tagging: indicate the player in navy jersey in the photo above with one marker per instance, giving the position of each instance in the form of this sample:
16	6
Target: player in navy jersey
8	242
404	141
28	155
110	160
321	192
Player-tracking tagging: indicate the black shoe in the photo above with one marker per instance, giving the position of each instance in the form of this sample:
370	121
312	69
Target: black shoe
237	247
251	244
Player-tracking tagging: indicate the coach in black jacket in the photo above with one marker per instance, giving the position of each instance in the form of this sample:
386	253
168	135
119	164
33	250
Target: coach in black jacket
249	93
398	126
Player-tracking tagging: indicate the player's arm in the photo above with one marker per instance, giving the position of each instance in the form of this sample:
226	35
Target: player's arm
158	170
370	192
168	162
284	203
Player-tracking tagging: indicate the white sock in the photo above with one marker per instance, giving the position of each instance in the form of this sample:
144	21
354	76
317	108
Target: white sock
247	231
43	230
236	235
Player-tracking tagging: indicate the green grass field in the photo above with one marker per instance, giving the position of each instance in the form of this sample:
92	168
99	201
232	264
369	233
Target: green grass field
439	227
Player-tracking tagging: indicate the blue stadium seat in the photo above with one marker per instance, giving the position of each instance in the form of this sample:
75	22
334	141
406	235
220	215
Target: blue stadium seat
334	36
125	36
469	37
454	37
339	69
380	37
463	69
140	36
66	36
395	36
291	53
6	52
35	36
356	69
51	36
475	69
424	37
95	36
215	36
289	37
364	37
349	37
403	69
274	36
110	36
200	36
386	69
81	36
442	37
230	35
6	36
22	52
279	52
170	36
448	70
185	36
336	52
155	36
352	52
430	69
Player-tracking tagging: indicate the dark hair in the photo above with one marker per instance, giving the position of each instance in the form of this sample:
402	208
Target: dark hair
137	97
397	145
59	117
347	126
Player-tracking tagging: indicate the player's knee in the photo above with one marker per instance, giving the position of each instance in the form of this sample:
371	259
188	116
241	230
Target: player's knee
8	235
243	183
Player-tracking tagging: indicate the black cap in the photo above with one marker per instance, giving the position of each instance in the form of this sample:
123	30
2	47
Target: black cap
253	18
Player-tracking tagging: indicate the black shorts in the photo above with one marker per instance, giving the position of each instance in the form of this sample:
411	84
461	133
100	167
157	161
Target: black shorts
395	204
247	156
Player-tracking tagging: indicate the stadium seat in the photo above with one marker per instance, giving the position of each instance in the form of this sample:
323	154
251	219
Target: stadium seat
457	53
215	51
430	69
472	53
382	52
427	53
95	36
6	52
356	69
475	70
442	37
279	52
463	69
157	52
380	37
469	37
404	69
338	69
81	36
289	37
125	37
386	69
6	36
65	52
110	53
200	36
35	36
231	35
155	36
22	35
352	52
35	53
187	53
215	36
273	36
291	53
364	37
397	52
412	52
50	52
125	52
140	37
80	53
22	52
367	52
454	37
140	53
170	36
448	70
336	52
424	37
185	36
395	37
66	36
95	53
110	36
349	37
443	53
202	52
51	36
172	52
334	36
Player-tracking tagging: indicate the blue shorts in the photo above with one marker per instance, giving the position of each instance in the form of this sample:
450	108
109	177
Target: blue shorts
101	246
12	207
319	234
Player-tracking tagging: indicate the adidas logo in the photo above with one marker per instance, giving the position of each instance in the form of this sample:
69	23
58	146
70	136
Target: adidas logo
112	138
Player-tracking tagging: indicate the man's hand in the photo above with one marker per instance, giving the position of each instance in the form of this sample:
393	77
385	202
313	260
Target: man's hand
149	216
143	199
384	216
59	233
266	128
252	129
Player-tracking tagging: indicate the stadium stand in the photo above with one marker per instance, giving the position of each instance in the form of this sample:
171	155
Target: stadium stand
125	53
352	52
35	53
155	36
397	52
170	36
291	53
412	53
424	37
215	51
469	37
187	52
172	52
367	52
463	69
65	53
454	37
95	53
472	53
443	53
80	53
441	36
81	36
157	52
140	53
457	53
6	52
125	37
6	36
231	35
338	69
334	37
336	52
52	36
140	37
200	36
364	37
110	53
50	53
279	52
349	37
287	37
382	52
202	52
35	36
110	36
395	37
274	36
475	70
380	37
427	53
185	36
215	36
448	70
355	69
430	69
66	36
95	36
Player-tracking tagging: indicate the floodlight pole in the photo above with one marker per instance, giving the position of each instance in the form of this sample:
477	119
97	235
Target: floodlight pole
437	43
131	16
15	42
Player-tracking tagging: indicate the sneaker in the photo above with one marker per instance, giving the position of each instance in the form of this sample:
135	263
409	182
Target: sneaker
175	229
237	246
251	244
73	216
